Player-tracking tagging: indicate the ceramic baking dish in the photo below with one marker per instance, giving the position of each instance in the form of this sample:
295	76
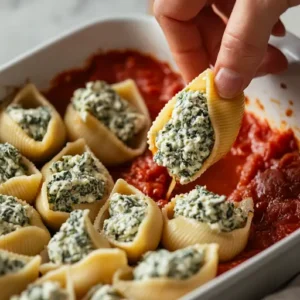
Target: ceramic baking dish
266	271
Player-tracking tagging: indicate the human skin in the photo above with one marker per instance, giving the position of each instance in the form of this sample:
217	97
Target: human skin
232	35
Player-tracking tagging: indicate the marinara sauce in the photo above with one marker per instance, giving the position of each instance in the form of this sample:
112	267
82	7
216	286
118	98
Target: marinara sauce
263	163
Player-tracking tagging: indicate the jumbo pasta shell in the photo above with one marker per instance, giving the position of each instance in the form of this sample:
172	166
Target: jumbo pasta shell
12	133
99	266
106	146
54	219
98	240
63	278
150	230
167	288
24	187
182	232
28	240
225	115
15	283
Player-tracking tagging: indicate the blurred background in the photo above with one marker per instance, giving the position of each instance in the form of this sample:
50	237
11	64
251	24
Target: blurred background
27	23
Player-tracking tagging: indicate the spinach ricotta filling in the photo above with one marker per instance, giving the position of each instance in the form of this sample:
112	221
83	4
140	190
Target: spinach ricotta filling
34	121
10	265
72	242
75	179
10	163
100	100
187	139
207	207
13	215
45	291
126	215
104	292
180	264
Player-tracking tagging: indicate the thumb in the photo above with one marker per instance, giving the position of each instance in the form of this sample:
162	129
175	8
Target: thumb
244	44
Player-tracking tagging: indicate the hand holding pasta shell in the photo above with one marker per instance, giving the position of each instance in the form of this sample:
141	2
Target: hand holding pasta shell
195	129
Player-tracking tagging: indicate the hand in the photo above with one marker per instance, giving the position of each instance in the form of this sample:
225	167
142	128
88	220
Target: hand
232	35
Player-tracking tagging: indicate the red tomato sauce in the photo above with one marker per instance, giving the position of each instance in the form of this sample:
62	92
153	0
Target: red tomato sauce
263	163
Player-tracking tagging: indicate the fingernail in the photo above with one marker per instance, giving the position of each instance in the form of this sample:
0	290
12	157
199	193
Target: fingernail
228	83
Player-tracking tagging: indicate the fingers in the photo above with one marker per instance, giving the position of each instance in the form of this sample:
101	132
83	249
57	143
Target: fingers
278	29
244	44
273	62
212	29
178	23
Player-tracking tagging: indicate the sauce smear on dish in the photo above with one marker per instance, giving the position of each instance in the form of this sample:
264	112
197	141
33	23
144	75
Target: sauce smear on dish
263	163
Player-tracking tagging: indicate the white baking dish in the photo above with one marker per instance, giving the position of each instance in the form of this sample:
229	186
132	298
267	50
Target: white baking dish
261	274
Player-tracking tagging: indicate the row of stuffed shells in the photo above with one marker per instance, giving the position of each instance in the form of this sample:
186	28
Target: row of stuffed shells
113	151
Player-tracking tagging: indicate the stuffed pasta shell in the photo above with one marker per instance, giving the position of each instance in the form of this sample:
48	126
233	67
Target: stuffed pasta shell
32	124
60	288
113	120
21	228
103	291
195	129
201	216
87	253
168	275
130	220
74	179
18	176
16	272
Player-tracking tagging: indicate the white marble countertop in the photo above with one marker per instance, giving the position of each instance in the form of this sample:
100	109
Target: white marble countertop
27	23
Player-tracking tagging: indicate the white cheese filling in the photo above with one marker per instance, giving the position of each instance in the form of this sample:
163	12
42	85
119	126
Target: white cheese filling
207	207
75	179
187	139
72	242
13	215
45	291
10	265
104	292
10	163
100	100
126	215
34	121
180	264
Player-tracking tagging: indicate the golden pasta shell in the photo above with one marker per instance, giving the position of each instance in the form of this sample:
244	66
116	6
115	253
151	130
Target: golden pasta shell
54	219
63	278
99	266
167	288
150	230
14	283
98	240
12	133
225	115
106	146
182	232
24	187
29	240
